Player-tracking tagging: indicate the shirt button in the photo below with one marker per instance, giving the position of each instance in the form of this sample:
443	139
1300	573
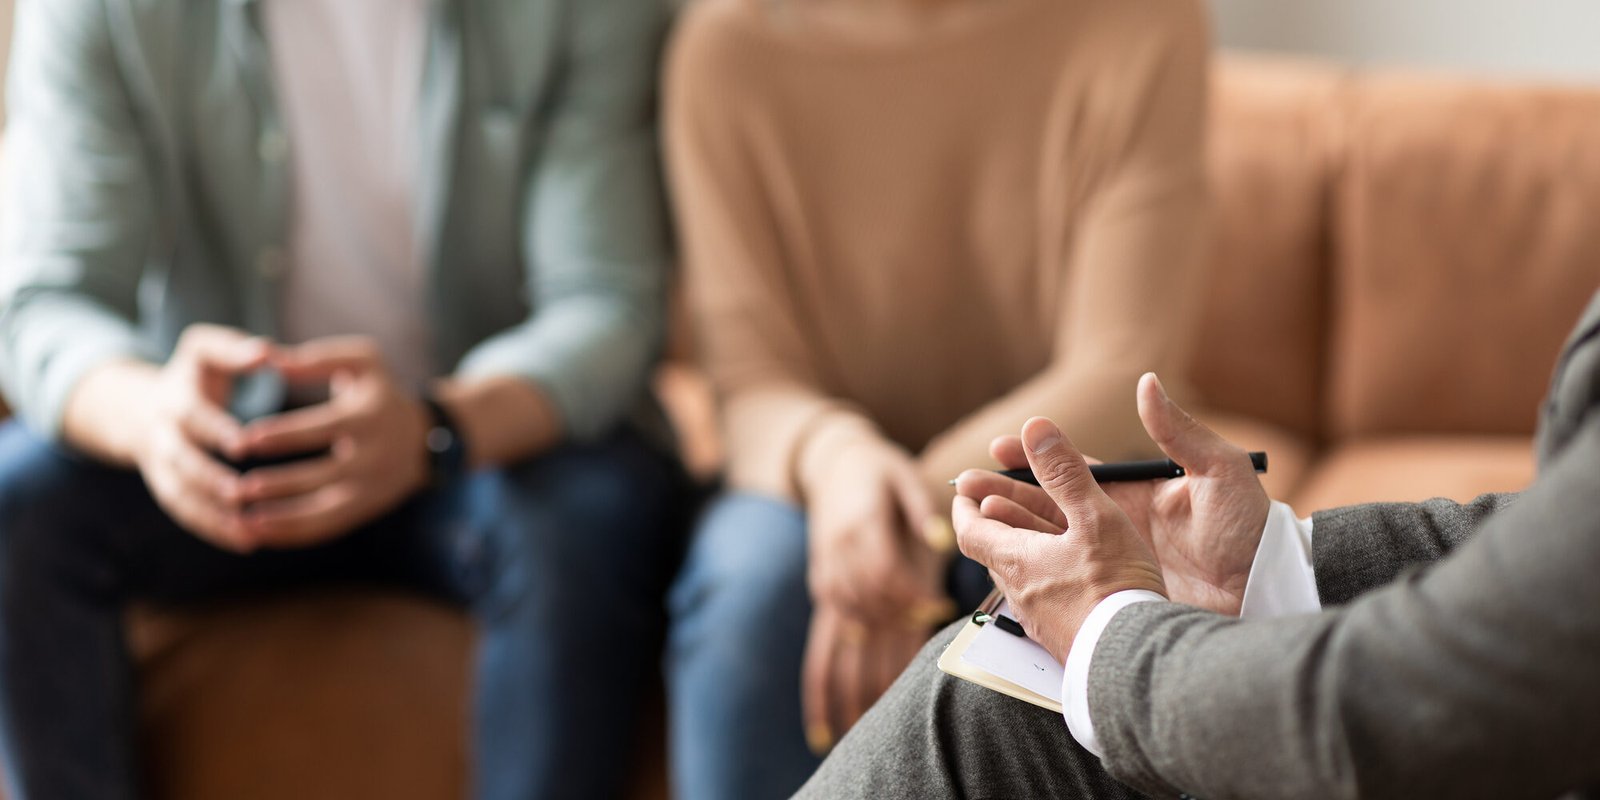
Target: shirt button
270	263
272	146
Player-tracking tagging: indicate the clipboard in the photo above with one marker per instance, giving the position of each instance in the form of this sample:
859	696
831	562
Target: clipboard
1005	665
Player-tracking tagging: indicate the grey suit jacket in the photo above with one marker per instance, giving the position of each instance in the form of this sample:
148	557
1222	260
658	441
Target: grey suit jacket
1458	654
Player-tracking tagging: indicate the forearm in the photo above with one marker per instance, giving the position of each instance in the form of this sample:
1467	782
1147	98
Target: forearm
106	415
1094	407
588	357
503	420
779	433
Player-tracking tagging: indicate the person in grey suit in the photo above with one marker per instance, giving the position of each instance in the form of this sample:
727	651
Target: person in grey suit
1456	652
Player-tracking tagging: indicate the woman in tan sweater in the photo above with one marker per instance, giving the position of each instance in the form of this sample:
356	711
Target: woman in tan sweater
908	225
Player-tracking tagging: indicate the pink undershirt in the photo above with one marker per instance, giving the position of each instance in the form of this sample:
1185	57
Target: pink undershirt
348	74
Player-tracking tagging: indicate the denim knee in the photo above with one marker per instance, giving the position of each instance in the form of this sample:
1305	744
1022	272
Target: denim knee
743	585
592	525
48	501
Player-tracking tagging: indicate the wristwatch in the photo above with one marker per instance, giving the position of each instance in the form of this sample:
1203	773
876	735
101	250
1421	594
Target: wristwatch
447	450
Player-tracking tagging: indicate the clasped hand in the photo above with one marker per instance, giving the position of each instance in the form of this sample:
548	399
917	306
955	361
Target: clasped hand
876	584
1058	549
367	436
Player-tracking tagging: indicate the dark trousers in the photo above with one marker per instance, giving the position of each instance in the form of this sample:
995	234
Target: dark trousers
585	529
936	736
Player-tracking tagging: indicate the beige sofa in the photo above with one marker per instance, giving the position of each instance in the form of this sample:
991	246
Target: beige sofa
1398	260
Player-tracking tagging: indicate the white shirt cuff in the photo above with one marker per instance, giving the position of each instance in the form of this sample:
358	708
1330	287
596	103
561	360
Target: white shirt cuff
1281	580
1075	682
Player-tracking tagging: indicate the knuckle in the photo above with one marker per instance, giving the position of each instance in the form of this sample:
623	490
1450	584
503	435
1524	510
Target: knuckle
195	333
968	545
1063	471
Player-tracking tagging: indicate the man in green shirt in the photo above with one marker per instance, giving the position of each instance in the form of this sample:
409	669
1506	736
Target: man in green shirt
293	290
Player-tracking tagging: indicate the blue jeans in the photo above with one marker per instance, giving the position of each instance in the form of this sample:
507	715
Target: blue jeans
740	612
583	527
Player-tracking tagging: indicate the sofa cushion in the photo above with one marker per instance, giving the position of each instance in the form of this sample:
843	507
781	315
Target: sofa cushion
1289	455
1466	247
1273	141
334	694
1416	468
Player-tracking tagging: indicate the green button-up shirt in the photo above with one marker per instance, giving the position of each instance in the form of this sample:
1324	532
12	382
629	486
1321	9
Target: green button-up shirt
146	190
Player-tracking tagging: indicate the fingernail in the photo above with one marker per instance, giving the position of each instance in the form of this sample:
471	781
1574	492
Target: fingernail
939	535
1161	388
819	739
1045	435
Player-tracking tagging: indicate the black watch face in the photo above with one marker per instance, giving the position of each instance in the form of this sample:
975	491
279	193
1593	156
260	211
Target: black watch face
440	440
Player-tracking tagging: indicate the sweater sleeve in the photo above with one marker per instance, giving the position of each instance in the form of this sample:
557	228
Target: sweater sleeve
753	343
1136	265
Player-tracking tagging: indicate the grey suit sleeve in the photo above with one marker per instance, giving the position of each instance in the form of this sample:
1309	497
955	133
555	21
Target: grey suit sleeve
595	233
1475	677
1363	547
77	195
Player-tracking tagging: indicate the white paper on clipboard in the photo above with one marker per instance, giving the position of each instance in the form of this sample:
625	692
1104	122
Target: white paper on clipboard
1015	659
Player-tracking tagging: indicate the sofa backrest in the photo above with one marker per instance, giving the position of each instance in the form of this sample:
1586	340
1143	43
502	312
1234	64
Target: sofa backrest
1466	243
1394	254
1273	141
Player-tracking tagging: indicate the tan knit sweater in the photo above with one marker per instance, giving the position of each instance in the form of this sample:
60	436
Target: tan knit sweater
933	224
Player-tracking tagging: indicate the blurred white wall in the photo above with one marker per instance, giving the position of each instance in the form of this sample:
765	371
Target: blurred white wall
1531	38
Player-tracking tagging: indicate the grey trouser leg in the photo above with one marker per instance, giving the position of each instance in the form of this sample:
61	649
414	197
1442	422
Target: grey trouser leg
937	736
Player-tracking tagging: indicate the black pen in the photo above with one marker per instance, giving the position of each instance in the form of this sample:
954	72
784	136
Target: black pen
1153	470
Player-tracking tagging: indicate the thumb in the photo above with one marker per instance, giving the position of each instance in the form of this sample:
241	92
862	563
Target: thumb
1060	468
1184	439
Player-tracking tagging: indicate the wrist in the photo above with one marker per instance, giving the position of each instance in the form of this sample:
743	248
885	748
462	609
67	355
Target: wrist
113	411
1093	617
831	438
501	420
444	446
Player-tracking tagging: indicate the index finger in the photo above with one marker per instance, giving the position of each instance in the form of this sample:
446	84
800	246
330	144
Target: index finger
303	519
1060	468
990	543
1008	451
227	349
214	429
979	484
322	358
303	430
816	683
